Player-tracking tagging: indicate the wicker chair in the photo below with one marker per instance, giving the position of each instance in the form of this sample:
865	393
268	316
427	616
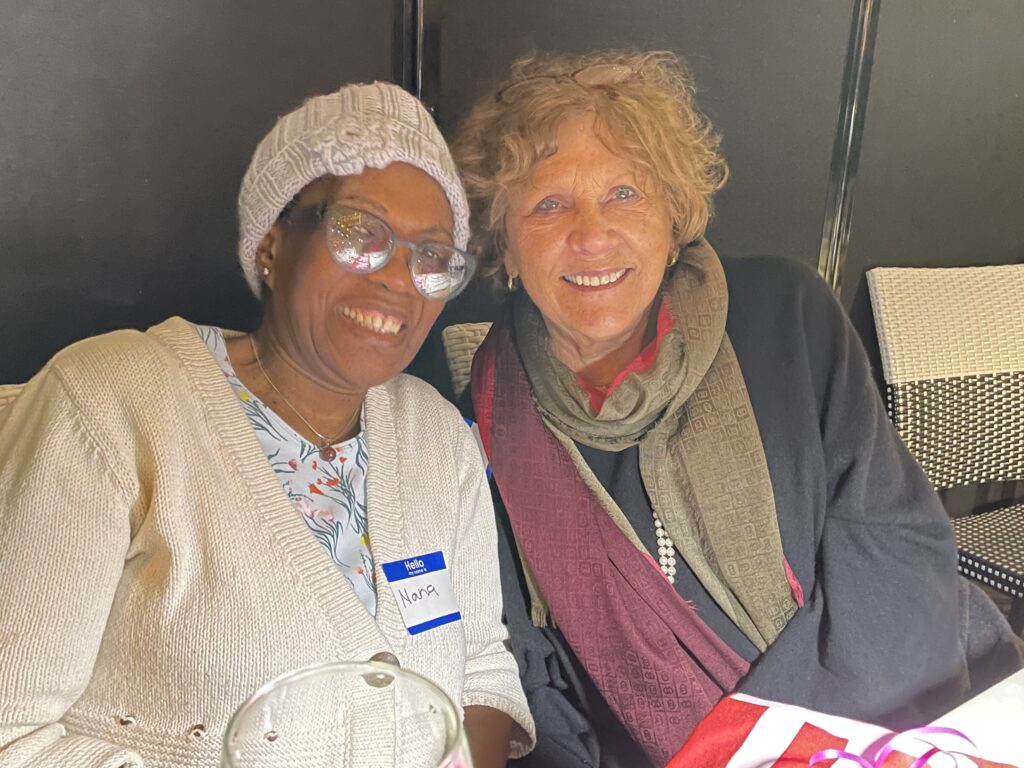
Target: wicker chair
7	394
952	346
460	343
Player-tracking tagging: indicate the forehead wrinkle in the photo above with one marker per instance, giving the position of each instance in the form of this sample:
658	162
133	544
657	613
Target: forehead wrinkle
579	132
561	174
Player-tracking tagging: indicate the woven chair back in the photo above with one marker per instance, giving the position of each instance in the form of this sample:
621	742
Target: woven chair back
460	343
952	347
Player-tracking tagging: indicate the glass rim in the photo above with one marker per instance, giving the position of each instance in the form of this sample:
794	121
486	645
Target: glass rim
311	670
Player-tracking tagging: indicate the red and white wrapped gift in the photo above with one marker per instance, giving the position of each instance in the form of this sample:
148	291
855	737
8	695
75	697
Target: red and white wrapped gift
745	732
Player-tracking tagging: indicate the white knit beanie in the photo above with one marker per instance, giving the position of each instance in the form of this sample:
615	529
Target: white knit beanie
340	134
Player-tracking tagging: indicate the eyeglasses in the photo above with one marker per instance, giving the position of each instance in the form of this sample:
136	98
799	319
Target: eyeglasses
364	243
592	76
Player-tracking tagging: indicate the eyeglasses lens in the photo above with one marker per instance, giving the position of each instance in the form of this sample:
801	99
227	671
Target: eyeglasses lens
438	271
363	243
359	242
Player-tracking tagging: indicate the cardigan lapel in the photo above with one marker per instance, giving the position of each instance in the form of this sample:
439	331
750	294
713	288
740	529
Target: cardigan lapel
386	517
357	635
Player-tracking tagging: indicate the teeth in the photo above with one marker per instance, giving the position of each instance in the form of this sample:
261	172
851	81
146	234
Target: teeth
374	321
593	280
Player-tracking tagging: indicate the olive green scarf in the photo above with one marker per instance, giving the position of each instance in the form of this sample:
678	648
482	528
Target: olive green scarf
701	457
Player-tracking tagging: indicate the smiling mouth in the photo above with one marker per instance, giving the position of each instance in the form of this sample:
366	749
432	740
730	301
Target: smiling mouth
596	280
371	320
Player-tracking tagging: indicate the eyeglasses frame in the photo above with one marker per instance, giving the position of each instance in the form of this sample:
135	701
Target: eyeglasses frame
291	215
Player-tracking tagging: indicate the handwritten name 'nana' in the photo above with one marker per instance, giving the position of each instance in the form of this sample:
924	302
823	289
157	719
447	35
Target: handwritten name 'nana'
411	596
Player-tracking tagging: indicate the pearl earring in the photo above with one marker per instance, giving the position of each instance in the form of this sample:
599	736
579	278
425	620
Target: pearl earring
266	271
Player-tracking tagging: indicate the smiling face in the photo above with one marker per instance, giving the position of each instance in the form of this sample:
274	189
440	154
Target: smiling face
591	244
345	330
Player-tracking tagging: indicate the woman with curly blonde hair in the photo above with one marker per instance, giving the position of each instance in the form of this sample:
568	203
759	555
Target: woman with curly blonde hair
701	490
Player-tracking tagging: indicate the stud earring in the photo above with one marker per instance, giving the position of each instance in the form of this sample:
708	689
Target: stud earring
266	271
673	258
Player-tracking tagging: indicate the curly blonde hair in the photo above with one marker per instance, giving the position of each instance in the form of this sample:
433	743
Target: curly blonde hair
644	104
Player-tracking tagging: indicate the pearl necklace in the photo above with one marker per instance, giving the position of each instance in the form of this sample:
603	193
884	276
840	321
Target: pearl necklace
666	550
326	447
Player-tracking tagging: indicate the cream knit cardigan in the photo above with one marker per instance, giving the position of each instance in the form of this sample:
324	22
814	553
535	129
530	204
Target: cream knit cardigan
153	573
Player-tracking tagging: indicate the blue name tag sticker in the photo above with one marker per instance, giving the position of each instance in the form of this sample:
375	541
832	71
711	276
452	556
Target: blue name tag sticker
423	590
475	429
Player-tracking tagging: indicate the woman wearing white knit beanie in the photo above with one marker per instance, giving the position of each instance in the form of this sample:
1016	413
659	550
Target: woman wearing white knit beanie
187	512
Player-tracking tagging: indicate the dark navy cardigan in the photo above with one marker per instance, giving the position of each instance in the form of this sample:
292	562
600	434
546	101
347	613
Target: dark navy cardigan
888	633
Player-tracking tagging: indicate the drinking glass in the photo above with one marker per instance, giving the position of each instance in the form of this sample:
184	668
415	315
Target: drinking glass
347	715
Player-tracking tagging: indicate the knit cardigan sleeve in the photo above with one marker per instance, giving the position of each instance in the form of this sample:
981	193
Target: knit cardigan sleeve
64	532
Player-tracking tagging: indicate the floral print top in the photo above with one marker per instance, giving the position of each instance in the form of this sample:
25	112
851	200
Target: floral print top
330	496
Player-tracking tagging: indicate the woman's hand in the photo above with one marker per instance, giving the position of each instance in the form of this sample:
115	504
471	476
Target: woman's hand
488	732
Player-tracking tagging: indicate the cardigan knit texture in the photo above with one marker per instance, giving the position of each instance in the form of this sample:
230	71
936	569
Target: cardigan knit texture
155	573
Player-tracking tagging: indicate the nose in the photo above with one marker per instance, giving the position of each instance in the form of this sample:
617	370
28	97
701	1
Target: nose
591	234
395	275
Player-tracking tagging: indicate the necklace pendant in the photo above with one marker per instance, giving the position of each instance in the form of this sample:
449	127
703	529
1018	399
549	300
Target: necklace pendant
327	453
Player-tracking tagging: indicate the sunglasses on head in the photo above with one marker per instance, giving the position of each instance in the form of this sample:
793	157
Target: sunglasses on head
593	76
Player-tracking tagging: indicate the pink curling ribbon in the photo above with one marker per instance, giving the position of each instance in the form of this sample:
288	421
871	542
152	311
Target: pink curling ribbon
887	749
456	759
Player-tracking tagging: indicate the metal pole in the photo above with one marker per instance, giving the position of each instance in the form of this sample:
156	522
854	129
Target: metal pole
429	46
419	49
853	99
407	54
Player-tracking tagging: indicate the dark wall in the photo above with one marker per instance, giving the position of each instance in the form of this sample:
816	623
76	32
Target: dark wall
768	74
942	167
941	179
125	128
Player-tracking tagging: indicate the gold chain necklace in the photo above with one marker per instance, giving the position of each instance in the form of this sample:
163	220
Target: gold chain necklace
325	449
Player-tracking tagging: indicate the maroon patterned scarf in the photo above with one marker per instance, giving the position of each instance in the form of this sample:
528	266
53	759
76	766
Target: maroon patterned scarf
656	663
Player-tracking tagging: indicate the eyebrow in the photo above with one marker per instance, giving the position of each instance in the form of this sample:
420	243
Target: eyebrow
369	202
380	209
